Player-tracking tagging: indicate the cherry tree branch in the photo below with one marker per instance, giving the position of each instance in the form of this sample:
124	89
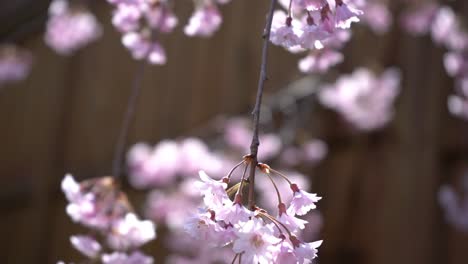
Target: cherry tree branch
127	120
258	102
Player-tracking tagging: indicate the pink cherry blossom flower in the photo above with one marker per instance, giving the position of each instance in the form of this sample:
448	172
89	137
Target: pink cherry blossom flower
458	106
312	37
94	203
256	242
285	31
311	5
345	15
286	36
203	227
302	201
365	100
126	17
418	20
455	205
444	23
86	245
130	232
123	258
162	19
234	214
204	21
320	61
378	17
156	54
286	253
70	29
214	192
293	223
306	251
456	64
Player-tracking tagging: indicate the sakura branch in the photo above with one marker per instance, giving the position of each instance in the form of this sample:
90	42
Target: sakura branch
256	111
127	121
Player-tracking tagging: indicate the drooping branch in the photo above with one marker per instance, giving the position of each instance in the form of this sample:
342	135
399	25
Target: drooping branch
258	102
127	120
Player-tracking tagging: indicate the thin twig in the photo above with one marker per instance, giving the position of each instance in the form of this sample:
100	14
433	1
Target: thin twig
256	112
235	257
127	120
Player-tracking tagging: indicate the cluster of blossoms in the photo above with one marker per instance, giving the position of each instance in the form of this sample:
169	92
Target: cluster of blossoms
99	205
446	30
362	98
142	21
168	170
253	234
377	15
454	205
15	63
318	26
162	164
70	27
171	160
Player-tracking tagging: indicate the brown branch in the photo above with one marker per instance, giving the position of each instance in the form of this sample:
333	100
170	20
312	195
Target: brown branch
256	111
127	120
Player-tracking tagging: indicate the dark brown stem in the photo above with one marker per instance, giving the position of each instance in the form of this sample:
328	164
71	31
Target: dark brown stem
127	120
256	111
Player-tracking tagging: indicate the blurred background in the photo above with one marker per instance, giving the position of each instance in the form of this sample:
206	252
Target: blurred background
380	188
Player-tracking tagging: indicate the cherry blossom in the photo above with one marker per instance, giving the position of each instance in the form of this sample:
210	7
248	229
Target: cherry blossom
130	232
124	258
455	205
365	100
99	205
86	245
250	233
309	27
255	241
70	28
204	21
302	201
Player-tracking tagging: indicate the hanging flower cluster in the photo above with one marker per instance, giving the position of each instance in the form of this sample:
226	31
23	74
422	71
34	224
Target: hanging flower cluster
363	99
255	235
316	26
142	21
173	198
455	205
70	27
100	206
446	30
15	63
